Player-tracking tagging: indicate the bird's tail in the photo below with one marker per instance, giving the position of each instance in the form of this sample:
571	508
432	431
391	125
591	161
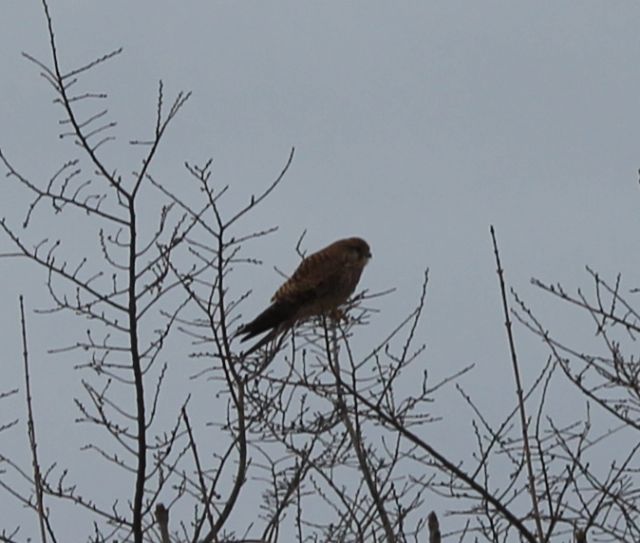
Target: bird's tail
273	317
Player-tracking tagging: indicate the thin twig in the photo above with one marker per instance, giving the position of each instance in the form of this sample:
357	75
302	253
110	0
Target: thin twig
31	429
519	392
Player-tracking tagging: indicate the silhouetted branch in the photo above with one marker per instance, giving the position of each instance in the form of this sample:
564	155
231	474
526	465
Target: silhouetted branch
524	425
43	519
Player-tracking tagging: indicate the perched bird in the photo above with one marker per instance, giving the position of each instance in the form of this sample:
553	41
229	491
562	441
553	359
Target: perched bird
322	282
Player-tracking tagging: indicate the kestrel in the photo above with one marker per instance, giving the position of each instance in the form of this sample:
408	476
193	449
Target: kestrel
322	282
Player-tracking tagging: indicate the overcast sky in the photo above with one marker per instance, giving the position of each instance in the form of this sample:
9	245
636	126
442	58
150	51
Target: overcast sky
416	126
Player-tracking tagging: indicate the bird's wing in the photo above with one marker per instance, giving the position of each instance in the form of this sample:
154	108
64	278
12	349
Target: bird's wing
315	276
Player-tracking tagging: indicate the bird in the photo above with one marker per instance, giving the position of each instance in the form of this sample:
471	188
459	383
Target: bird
321	283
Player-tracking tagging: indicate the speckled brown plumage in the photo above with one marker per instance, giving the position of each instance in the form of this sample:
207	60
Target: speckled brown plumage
322	282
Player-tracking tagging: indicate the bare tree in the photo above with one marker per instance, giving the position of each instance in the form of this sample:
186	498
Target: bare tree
310	438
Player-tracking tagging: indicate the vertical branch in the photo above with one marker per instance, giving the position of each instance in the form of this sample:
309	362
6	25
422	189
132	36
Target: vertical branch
59	84
355	434
434	528
240	473
31	428
521	407
136	363
199	470
162	518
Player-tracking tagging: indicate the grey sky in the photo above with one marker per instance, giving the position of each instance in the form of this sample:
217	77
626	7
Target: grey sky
416	125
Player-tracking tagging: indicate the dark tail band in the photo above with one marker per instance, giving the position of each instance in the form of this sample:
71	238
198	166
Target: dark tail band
272	317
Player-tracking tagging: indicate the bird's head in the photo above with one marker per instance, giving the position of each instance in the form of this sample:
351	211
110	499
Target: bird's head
357	250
